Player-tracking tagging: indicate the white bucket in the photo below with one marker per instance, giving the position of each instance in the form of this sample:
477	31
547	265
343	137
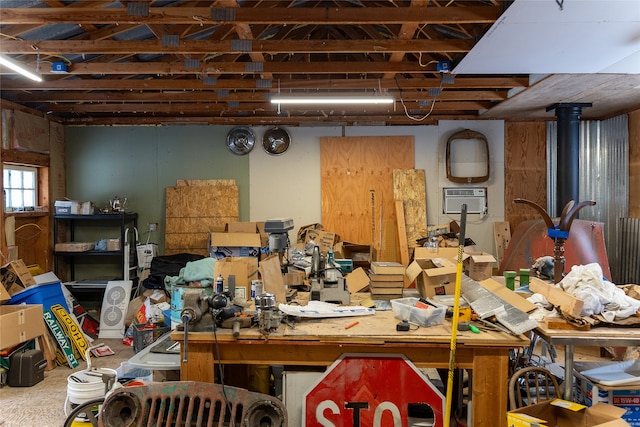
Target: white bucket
90	385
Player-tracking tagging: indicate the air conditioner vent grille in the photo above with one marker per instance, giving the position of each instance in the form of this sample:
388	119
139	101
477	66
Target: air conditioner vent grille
474	198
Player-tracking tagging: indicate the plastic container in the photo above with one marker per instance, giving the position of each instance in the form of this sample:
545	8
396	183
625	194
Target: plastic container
128	372
145	335
405	309
47	294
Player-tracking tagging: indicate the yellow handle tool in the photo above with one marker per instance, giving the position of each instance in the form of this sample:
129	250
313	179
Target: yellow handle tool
455	317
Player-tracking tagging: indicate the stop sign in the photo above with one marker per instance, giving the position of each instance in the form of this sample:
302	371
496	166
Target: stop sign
372	391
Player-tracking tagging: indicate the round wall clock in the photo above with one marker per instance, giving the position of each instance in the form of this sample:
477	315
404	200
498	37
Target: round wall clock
276	141
240	140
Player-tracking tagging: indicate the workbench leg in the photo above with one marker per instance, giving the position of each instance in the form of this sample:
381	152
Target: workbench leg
199	365
568	372
489	393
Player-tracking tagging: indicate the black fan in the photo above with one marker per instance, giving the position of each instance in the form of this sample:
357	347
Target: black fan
276	141
241	140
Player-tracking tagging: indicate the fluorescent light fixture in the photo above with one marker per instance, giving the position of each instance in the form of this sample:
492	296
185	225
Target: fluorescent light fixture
10	63
332	100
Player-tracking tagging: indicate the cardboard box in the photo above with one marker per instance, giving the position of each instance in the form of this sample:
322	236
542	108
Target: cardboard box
241	227
435	276
264	237
294	278
223	245
20	323
451	254
86	208
627	397
357	280
478	265
561	413
324	239
74	246
244	269
67	207
113	245
16	277
384	267
361	255
249	227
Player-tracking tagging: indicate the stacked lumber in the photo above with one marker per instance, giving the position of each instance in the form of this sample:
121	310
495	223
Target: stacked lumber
386	280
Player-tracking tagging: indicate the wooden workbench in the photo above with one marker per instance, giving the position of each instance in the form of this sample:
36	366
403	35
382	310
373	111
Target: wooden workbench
321	342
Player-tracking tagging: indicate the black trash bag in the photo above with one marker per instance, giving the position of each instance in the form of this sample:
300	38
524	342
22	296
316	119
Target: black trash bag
167	265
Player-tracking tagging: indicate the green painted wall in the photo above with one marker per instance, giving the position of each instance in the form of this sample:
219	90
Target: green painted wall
139	162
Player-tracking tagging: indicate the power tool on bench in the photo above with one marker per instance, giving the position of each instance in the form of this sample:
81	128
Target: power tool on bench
203	313
327	282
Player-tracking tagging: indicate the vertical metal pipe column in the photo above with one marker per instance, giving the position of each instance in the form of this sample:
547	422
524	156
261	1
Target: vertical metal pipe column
568	152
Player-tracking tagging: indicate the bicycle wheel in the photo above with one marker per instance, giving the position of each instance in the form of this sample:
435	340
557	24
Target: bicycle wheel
85	411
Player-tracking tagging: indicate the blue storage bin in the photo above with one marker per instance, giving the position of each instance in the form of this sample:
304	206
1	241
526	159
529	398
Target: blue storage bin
47	294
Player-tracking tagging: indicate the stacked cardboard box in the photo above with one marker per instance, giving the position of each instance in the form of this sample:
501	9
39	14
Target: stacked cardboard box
387	280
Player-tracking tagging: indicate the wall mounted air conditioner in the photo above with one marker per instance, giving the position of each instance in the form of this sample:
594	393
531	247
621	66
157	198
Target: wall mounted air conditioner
454	197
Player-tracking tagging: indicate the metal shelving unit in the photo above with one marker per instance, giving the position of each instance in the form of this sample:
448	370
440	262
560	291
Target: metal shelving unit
123	220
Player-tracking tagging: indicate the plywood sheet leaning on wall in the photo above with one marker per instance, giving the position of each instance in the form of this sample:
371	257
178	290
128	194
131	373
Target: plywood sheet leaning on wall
357	185
502	235
525	172
195	209
409	186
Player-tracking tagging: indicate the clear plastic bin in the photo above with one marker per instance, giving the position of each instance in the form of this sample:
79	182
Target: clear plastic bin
405	309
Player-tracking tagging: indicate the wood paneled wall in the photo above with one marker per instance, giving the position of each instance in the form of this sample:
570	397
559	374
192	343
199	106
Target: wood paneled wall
525	174
357	185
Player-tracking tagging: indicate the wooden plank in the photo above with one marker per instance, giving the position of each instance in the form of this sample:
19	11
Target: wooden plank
388	250
409	186
48	351
502	237
568	303
402	233
563	324
490	392
350	168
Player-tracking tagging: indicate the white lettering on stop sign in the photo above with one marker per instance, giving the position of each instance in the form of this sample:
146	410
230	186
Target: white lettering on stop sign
370	390
327	404
377	417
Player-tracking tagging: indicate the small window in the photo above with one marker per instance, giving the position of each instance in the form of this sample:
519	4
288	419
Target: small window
20	188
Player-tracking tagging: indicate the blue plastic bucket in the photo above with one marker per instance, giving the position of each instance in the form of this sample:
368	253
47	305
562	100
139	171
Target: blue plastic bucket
47	294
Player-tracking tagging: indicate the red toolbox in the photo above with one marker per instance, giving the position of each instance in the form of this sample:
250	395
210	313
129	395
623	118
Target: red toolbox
26	368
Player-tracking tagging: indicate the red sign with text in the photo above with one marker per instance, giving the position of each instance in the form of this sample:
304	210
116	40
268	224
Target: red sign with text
373	390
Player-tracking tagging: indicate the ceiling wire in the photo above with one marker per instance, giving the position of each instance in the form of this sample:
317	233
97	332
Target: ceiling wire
433	61
433	102
65	59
